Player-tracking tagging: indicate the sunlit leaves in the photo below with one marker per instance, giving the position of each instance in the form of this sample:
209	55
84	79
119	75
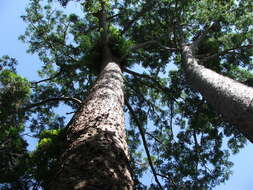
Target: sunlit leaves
44	159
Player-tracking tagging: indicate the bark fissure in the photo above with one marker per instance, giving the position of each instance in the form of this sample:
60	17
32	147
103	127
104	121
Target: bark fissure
97	156
230	98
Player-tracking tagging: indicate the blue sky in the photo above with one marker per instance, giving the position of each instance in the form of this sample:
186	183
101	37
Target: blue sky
12	26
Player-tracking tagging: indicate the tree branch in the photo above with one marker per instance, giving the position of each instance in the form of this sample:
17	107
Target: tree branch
167	150
150	105
146	44
65	30
139	75
75	100
145	144
196	148
156	84
171	117
27	134
157	140
137	17
203	34
170	179
50	44
112	17
47	79
142	45
227	51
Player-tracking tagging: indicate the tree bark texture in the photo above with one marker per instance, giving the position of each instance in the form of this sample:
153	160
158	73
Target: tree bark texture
97	157
230	98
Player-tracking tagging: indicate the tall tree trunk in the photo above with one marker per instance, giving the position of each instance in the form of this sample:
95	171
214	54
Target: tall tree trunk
97	157
230	98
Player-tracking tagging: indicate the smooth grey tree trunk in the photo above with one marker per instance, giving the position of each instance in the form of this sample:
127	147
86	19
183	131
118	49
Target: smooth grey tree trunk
228	97
97	157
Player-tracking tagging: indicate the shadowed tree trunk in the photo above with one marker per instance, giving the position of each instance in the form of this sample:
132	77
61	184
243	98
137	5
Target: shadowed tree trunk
232	99
97	156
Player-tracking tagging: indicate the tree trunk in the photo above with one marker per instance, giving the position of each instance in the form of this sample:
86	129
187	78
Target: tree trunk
230	98
97	157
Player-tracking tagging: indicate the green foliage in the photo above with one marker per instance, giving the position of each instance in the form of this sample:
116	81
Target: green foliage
44	159
14	93
209	47
119	45
8	63
93	48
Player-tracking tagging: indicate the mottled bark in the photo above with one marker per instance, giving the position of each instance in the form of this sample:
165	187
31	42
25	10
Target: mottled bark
228	97
97	157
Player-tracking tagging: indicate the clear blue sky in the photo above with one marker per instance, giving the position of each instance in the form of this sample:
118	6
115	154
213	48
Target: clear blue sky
12	26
